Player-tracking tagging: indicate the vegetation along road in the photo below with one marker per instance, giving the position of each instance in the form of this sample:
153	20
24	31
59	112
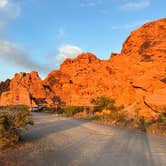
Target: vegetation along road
59	141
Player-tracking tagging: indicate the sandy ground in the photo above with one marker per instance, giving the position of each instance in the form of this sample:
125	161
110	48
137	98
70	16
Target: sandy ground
59	141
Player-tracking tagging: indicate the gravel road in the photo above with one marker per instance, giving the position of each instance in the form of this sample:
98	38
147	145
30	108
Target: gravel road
59	141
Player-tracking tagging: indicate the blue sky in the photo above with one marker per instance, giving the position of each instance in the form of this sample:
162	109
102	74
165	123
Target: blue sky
40	34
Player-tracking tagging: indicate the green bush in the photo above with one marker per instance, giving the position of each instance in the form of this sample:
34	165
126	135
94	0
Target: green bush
104	102
162	119
142	124
13	119
72	110
97	108
118	116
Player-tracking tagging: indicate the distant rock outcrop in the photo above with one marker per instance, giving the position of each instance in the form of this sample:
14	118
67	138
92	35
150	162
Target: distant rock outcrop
26	88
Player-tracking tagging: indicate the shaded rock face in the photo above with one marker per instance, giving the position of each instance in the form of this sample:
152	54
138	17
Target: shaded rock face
137	75
26	88
4	86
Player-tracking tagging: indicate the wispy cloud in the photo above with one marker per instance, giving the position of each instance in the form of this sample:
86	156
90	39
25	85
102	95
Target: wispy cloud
8	11
135	5
14	55
129	26
3	3
61	33
67	51
90	3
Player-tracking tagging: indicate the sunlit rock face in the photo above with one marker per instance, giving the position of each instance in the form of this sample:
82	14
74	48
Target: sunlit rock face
148	42
132	76
26	88
136	77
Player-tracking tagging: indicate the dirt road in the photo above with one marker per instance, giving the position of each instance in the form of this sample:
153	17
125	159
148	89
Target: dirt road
58	141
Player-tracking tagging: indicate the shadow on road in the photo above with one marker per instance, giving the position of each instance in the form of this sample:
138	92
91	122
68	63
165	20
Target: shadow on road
64	141
42	130
125	148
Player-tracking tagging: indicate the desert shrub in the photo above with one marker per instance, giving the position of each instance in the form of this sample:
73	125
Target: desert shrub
162	119
142	124
72	110
104	102
49	109
13	119
61	111
118	116
159	126
115	117
113	113
97	109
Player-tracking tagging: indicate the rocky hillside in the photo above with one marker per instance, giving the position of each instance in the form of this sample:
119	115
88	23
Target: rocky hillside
136	77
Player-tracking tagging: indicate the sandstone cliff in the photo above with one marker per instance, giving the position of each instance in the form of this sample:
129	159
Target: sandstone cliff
136	77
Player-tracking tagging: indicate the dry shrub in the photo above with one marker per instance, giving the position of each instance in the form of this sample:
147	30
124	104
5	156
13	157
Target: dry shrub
13	119
72	110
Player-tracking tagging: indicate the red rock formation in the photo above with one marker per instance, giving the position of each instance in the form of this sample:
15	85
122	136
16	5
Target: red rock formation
28	88
130	77
136	77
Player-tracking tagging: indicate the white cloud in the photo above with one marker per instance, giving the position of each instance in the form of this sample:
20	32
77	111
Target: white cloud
67	51
14	55
8	12
3	3
137	5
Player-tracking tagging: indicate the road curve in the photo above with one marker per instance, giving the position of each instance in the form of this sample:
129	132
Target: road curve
59	141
